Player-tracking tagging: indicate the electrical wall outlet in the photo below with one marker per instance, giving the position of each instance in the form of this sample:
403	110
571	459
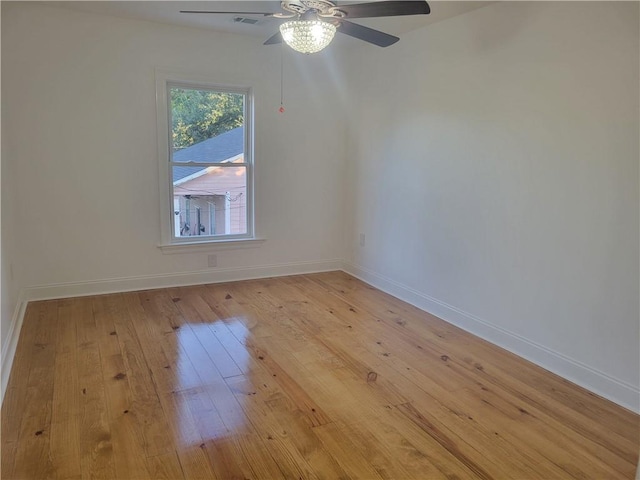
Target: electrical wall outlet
362	239
212	261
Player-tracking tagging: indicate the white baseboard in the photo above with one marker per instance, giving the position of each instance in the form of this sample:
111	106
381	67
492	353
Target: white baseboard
149	282
11	344
577	372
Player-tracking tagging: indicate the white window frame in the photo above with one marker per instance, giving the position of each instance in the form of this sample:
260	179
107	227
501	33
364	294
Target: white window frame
169	241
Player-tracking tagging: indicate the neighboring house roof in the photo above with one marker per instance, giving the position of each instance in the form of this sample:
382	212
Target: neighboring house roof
217	149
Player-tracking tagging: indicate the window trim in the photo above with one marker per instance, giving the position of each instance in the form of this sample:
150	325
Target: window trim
168	240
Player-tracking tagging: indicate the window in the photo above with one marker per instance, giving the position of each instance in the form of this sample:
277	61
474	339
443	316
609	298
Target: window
205	147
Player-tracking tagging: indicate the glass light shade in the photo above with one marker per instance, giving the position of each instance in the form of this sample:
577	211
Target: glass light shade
307	36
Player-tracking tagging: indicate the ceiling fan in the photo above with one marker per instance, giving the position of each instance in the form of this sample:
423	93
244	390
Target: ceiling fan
311	24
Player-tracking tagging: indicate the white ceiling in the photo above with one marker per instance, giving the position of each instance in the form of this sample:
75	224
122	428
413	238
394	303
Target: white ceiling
169	12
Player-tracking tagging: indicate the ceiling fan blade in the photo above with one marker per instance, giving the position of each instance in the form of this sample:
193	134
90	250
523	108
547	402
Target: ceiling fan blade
274	39
386	9
367	34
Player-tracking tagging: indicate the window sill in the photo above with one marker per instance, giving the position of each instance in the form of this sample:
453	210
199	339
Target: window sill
195	247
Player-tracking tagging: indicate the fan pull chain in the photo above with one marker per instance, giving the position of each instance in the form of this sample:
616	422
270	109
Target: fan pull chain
281	109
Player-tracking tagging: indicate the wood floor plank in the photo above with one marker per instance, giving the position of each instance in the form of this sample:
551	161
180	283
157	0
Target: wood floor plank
65	435
126	438
304	439
337	440
170	367
195	463
165	467
278	437
284	421
454	448
316	376
183	423
32	457
96	447
418	451
16	395
200	317
145	404
379	443
224	460
209	423
8	457
214	386
128	452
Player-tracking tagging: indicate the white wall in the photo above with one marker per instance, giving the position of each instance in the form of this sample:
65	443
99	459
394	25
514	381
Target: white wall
493	167
79	140
8	290
9	293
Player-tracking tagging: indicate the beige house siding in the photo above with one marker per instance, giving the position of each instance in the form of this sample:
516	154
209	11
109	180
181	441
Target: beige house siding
220	197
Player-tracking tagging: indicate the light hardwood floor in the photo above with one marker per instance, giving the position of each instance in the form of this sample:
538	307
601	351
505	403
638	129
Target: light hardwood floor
314	376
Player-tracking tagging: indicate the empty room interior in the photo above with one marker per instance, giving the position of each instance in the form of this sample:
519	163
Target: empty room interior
314	239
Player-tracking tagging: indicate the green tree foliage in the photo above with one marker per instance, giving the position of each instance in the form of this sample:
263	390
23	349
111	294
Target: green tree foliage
198	115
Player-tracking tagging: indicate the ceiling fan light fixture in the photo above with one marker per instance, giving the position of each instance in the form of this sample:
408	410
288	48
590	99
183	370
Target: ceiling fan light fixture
307	36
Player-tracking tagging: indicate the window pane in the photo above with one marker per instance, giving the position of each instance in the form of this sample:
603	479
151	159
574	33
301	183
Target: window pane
206	126
209	201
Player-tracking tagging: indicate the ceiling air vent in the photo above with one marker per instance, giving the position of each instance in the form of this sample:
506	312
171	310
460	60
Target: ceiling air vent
249	21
